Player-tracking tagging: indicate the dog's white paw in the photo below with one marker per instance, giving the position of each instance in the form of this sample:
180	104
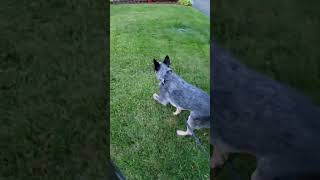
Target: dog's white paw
155	96
178	111
183	133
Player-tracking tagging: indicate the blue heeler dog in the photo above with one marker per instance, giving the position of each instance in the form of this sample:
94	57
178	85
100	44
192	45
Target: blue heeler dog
257	115
183	96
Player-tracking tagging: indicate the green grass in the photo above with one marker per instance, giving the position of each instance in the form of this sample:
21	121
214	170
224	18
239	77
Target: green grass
144	143
53	90
276	38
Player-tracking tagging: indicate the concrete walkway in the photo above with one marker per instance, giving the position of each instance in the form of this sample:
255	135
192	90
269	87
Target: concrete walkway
203	6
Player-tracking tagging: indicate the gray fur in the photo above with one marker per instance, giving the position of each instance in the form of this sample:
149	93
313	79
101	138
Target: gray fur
257	115
182	95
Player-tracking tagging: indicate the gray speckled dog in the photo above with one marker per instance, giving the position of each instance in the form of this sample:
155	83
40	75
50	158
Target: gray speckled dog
183	96
256	115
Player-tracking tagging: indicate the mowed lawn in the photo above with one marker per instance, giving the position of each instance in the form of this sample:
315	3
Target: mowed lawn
144	143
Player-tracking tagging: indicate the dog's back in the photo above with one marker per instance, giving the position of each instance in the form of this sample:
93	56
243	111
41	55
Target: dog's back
185	95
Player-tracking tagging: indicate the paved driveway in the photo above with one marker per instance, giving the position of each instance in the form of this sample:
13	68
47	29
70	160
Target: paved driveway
203	6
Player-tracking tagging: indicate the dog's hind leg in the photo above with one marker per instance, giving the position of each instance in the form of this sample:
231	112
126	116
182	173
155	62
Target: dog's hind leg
258	174
219	157
264	170
188	132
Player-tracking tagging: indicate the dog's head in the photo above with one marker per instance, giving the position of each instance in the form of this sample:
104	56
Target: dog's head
161	68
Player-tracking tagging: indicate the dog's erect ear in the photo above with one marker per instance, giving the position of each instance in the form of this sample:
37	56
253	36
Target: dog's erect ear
166	60
156	65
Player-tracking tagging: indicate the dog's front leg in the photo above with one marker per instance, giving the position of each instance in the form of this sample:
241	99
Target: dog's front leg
218	159
160	99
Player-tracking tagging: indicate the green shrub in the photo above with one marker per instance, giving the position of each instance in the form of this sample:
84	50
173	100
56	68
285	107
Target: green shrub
185	2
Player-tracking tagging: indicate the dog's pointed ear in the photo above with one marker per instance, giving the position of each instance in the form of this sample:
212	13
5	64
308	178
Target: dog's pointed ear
156	65
166	60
